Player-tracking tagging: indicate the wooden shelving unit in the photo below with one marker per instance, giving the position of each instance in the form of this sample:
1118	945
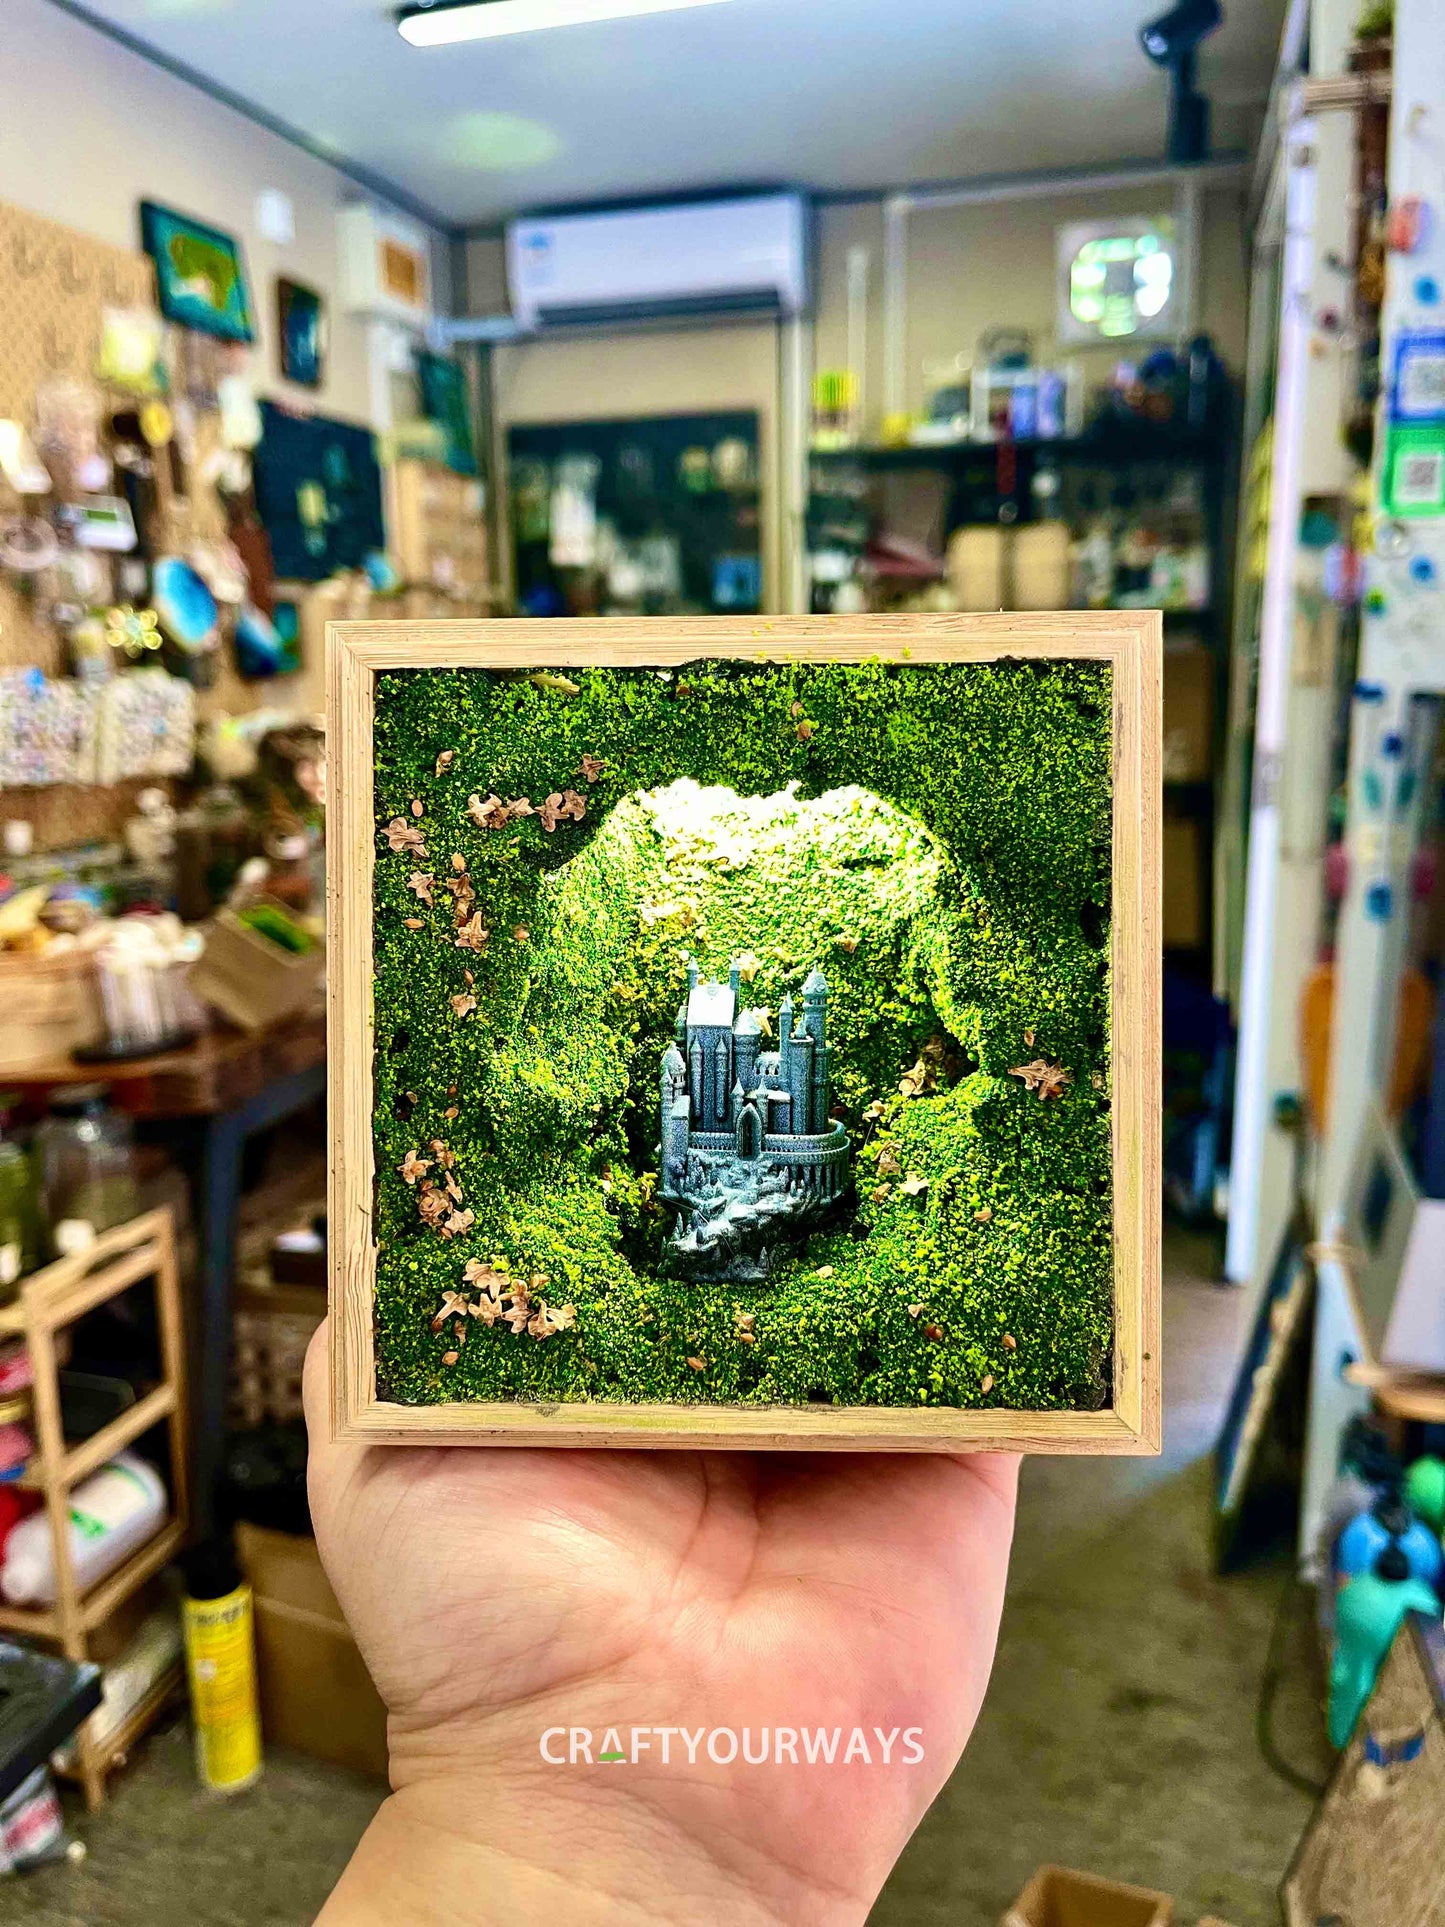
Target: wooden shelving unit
49	1301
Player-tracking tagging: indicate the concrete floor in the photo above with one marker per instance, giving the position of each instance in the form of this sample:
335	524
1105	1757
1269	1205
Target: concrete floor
1117	1737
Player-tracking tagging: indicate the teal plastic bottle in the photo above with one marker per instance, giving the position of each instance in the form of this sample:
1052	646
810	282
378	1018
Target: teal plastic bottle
1367	1617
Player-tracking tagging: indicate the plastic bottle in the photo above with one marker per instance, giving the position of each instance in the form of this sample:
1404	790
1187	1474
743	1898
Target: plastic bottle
112	1513
1367	1617
221	1670
1425	1490
1389	1523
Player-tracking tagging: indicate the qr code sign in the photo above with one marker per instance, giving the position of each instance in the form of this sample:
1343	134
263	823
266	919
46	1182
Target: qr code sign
1420	480
1420	386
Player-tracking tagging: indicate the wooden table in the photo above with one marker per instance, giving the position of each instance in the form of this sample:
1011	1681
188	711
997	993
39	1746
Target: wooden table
234	1084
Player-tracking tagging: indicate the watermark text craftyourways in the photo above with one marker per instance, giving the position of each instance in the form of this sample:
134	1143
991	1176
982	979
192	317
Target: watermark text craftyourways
722	1745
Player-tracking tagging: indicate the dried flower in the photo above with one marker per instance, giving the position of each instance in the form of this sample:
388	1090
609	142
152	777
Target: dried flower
416	807
889	1162
592	768
450	1112
459	863
746	1338
412	923
472	935
916	1081
795	709
880	1192
491	815
848	945
420	884
445	761
413	1167
874	1111
478	1272
453	1305
1029	1038
520	933
1048	1080
450	1358
445	1158
538	1283
520	806
913	1186
432	1205
933	1332
401	835
454	1190
548	1319
463	1004
457	1223
916	1311
698	1364
748	967
1009	1342
518	1313
743	1321
984	1215
806	729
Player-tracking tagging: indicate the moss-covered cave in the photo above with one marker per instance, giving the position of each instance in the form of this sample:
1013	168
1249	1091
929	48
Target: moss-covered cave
937	837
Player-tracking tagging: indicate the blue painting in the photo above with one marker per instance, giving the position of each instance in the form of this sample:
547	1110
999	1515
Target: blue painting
199	274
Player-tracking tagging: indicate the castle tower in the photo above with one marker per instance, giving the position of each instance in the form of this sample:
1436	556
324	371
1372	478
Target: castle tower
747	1038
722	1066
735	977
800	1082
736	1105
695	1071
674	1075
815	1022
785	1036
692	973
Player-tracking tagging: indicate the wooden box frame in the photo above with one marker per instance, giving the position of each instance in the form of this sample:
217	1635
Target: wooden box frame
1131	642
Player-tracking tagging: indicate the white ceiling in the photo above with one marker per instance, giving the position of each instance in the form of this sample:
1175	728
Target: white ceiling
825	94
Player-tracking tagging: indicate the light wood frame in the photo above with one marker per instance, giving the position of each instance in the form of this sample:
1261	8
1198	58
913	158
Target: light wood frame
1132	643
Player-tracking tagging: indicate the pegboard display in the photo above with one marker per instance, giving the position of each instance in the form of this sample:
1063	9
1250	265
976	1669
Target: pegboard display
55	287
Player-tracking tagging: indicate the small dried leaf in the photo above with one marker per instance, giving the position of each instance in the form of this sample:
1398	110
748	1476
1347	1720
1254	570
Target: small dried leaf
450	1358
880	1192
698	1364
445	1158
473	934
413	923
795	709
401	835
454	1305
744	1321
933	1332
520	933
825	1271
916	1311
450	1112
538	1283
459	863
984	1216
551	812
457	1223
848	945
747	1338
592	768
445	761
454	1190
463	1003
913	1186
520	806
889	1162
806	729
874	1111
493	814
916	1081
1009	1342
420	884
1029	1039
986	1383
416	807
1048	1080
748	967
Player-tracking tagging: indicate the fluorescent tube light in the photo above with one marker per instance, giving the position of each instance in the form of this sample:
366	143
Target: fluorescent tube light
443	25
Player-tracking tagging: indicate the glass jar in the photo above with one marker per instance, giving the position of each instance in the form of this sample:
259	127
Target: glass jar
86	1156
19	1211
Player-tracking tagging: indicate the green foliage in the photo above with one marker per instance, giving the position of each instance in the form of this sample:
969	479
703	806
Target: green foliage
937	838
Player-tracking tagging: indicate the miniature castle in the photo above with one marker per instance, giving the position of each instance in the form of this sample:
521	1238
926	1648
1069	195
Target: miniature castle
748	1147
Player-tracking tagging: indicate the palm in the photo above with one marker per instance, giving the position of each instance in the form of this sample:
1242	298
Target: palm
497	1594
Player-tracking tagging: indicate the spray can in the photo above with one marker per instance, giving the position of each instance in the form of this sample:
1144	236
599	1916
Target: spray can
216	1613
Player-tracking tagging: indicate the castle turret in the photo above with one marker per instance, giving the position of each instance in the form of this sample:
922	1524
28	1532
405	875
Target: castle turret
747	1038
735	977
674	1074
722	1065
692	973
694	1058
800	1082
815	1022
737	1101
785	1035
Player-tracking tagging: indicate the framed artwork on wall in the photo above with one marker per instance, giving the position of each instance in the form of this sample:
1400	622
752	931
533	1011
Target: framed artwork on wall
200	276
300	333
747	1034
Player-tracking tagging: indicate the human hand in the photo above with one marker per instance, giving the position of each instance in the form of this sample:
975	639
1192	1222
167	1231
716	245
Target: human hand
500	1594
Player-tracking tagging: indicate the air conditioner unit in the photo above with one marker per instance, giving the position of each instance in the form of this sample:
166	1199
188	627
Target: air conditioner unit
743	256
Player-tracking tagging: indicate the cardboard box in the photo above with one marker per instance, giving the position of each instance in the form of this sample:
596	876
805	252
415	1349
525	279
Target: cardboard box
1185	884
316	1694
1059	1897
1188	715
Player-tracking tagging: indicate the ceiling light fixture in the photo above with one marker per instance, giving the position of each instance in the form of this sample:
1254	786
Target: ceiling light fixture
449	21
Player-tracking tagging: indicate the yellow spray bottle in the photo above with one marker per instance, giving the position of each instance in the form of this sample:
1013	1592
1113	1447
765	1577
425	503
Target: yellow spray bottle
221	1670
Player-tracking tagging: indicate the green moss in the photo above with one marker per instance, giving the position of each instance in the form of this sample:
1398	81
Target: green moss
943	853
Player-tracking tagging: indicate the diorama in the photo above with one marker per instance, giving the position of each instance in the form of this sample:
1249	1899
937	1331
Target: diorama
745	1033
